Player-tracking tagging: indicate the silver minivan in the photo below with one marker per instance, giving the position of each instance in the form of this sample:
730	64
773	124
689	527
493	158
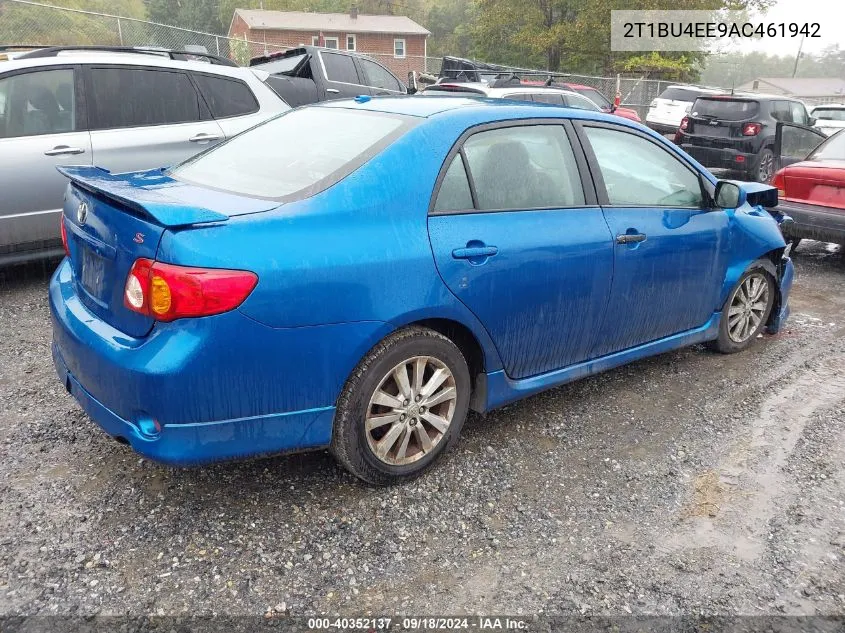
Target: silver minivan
120	110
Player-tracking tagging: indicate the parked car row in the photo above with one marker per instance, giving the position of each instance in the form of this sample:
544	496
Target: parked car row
128	109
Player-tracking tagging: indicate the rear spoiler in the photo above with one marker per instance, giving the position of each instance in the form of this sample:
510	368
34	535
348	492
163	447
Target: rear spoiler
143	192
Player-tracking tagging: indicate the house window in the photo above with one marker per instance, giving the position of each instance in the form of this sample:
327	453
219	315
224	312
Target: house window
351	44
328	42
399	48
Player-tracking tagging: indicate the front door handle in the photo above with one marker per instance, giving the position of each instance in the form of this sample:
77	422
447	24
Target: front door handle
333	91
474	252
204	137
630	238
63	150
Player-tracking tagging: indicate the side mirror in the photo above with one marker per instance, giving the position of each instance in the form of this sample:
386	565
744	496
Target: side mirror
812	121
729	195
612	108
412	82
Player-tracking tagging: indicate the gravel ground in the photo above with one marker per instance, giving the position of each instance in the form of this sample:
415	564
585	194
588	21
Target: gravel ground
687	483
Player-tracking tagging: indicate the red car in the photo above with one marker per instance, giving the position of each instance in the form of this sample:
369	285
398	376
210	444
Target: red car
595	96
601	101
812	192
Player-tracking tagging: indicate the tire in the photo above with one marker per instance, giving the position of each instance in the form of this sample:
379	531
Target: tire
733	337
764	166
363	427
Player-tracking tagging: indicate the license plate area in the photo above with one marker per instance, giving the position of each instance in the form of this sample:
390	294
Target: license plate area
93	273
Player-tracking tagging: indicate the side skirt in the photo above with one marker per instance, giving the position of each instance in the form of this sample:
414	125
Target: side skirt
502	390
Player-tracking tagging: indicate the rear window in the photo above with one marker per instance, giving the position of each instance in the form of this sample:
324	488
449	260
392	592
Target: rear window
680	94
280	66
830	114
725	109
295	155
832	148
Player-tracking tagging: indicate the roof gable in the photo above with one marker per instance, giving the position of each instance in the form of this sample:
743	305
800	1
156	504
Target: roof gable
341	22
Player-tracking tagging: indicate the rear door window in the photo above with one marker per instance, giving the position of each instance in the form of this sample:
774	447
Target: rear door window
340	68
781	111
524	167
799	113
553	98
519	97
226	97
40	102
379	77
725	109
135	97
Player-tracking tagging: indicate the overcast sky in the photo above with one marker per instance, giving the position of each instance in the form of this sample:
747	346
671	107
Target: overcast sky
830	14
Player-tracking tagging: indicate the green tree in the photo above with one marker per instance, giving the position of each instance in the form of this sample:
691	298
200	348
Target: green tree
574	35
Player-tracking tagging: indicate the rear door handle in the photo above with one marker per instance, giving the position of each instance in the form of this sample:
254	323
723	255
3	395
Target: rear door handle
474	252
62	150
630	238
203	137
333	91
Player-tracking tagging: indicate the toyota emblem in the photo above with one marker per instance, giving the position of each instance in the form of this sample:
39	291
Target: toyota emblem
82	212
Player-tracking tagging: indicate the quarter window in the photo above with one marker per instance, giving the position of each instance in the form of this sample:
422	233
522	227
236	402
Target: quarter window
524	167
135	97
340	68
399	48
226	97
454	194
637	172
41	102
379	77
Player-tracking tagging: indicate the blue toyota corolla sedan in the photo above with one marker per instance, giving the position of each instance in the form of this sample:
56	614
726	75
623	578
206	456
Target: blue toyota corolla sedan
357	275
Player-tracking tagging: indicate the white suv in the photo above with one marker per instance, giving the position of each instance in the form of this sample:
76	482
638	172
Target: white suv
120	109
668	110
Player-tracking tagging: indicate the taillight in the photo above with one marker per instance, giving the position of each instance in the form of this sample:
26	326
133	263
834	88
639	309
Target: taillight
166	292
64	234
779	182
751	129
684	123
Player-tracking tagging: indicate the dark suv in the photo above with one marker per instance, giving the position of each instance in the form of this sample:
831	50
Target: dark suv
737	132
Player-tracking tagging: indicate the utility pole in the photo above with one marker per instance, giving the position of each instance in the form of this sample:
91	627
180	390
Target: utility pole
798	56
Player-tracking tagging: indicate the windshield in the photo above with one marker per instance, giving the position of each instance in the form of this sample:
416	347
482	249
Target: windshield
829	114
296	154
832	148
280	66
724	109
680	94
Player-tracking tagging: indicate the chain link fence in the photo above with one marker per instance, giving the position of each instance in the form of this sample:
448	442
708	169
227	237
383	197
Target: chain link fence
34	23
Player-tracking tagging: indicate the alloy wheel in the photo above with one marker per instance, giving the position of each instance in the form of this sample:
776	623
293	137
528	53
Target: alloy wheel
748	307
767	166
410	411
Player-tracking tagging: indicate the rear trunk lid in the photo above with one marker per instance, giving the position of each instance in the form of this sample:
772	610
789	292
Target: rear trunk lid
721	117
816	182
113	219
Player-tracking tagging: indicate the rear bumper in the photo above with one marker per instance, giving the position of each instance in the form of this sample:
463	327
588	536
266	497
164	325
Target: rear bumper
191	444
721	157
202	390
813	221
662	128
